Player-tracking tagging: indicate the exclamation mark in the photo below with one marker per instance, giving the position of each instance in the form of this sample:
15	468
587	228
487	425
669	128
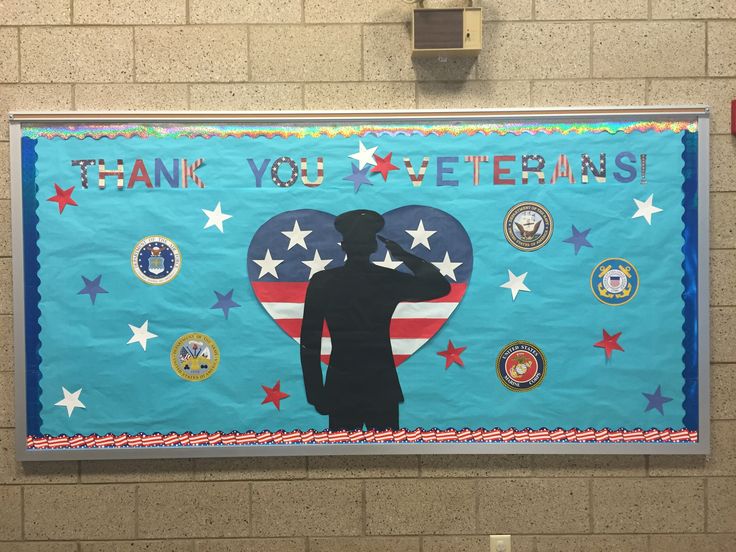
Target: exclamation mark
643	159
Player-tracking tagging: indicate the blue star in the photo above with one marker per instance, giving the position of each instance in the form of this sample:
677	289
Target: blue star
225	302
359	176
656	400
92	288
578	239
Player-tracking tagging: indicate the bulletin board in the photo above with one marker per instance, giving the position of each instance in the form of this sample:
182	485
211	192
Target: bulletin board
471	281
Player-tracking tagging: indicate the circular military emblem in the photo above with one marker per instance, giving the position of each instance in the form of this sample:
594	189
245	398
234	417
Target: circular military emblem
614	281
156	260
528	226
521	366
195	356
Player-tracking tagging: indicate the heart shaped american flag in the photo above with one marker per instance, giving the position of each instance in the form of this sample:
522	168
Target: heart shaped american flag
288	249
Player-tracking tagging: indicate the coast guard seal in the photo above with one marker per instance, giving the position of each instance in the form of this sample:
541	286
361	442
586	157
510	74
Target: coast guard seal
528	226
614	281
156	260
195	356
521	366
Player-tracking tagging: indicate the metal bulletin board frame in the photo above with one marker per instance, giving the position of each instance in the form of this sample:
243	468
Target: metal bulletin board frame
699	114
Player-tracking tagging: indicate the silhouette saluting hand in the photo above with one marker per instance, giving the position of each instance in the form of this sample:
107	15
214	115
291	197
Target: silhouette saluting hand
395	249
419	266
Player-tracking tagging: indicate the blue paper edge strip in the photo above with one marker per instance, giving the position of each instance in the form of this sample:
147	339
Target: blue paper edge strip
690	280
30	287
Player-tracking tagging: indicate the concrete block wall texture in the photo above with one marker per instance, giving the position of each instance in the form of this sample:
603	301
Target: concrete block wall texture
354	54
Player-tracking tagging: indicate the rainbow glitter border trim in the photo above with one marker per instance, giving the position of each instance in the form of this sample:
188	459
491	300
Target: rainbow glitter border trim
293	130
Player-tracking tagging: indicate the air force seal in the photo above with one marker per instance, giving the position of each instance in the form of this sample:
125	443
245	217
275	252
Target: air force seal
156	260
195	356
614	281
528	226
521	366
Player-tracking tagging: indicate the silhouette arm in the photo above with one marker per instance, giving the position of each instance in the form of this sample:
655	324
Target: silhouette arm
311	343
427	282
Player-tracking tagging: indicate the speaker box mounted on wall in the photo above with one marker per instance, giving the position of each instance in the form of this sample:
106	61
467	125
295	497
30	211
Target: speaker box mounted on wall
447	31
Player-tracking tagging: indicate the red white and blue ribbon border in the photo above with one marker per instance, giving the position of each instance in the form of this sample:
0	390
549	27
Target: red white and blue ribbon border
311	437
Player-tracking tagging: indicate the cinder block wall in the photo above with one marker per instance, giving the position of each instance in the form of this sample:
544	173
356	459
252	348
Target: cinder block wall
336	54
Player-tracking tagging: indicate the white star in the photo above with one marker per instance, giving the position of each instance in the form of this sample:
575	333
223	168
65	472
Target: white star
141	335
420	236
216	217
388	262
515	284
296	236
364	156
646	209
447	267
268	265
316	265
70	401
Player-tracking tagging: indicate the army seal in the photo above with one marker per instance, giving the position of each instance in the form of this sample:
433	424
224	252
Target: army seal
156	260
614	281
195	356
521	366
528	226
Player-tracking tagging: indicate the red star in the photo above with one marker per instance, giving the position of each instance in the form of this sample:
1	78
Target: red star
63	197
274	395
609	343
384	165
452	354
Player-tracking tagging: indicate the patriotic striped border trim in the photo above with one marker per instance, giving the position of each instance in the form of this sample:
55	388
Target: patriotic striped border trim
328	437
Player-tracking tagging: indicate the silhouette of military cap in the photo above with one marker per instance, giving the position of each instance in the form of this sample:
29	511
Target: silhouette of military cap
359	226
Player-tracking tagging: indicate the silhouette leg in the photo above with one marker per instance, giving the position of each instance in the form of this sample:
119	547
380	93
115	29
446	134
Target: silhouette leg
349	420
383	419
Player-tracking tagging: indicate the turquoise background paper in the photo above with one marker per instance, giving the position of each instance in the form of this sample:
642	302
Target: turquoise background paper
126	389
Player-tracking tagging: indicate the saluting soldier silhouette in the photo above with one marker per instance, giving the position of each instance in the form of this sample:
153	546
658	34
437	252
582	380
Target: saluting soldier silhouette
357	301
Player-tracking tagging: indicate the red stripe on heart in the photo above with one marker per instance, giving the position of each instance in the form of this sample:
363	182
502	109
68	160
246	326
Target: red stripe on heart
412	327
409	328
295	292
280	292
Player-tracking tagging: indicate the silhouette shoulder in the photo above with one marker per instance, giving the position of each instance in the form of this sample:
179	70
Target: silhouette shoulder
323	278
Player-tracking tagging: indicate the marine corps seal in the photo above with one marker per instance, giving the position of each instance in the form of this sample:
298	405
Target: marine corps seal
521	366
528	226
195	356
614	281
156	260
